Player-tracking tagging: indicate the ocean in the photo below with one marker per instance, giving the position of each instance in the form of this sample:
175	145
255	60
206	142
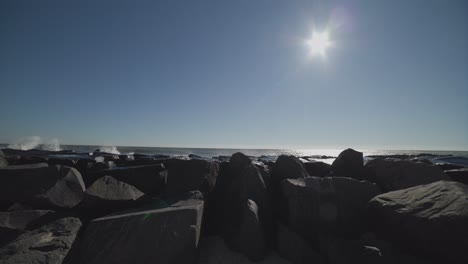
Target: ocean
325	155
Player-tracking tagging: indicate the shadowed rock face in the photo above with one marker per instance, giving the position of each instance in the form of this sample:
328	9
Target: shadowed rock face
349	163
250	238
393	175
317	168
41	185
431	219
287	167
188	175
165	235
48	244
293	247
330	204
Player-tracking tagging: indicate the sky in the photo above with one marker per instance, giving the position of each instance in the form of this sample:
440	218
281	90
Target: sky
236	74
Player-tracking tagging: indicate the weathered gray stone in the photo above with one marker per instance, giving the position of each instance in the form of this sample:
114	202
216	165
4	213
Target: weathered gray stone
48	244
21	219
41	186
150	179
108	193
330	204
393	175
431	219
165	235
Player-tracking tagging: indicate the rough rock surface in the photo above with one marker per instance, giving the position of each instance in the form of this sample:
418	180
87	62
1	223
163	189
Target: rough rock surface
48	244
3	160
109	193
459	175
431	218
250	238
41	186
393	175
331	204
188	175
150	179
349	163
294	248
156	234
21	219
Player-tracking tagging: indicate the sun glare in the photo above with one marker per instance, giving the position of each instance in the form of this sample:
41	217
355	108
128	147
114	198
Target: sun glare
318	43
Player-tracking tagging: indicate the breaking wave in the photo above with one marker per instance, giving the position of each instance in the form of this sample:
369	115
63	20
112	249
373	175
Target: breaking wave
110	149
26	143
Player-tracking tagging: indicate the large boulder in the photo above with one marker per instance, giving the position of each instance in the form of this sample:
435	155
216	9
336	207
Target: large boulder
317	168
41	186
331	204
250	237
107	193
294	248
194	174
393	175
237	183
459	175
349	163
48	244
287	167
160	233
431	219
150	179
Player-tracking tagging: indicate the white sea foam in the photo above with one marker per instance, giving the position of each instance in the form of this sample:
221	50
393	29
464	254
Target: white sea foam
52	145
26	143
110	149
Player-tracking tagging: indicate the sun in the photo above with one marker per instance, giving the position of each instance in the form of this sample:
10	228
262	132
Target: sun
318	43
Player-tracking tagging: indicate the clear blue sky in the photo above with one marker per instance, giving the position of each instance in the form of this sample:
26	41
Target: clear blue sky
236	73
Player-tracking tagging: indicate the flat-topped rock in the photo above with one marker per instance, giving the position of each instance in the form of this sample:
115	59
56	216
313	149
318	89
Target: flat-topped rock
47	244
431	219
161	234
393	175
41	186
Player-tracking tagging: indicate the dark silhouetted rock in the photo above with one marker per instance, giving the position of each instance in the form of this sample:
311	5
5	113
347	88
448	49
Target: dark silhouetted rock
107	193
41	186
330	204
149	179
239	160
250	237
48	244
349	163
294	248
459	175
287	167
238	182
163	234
393	175
317	168
342	251
429	219
187	175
